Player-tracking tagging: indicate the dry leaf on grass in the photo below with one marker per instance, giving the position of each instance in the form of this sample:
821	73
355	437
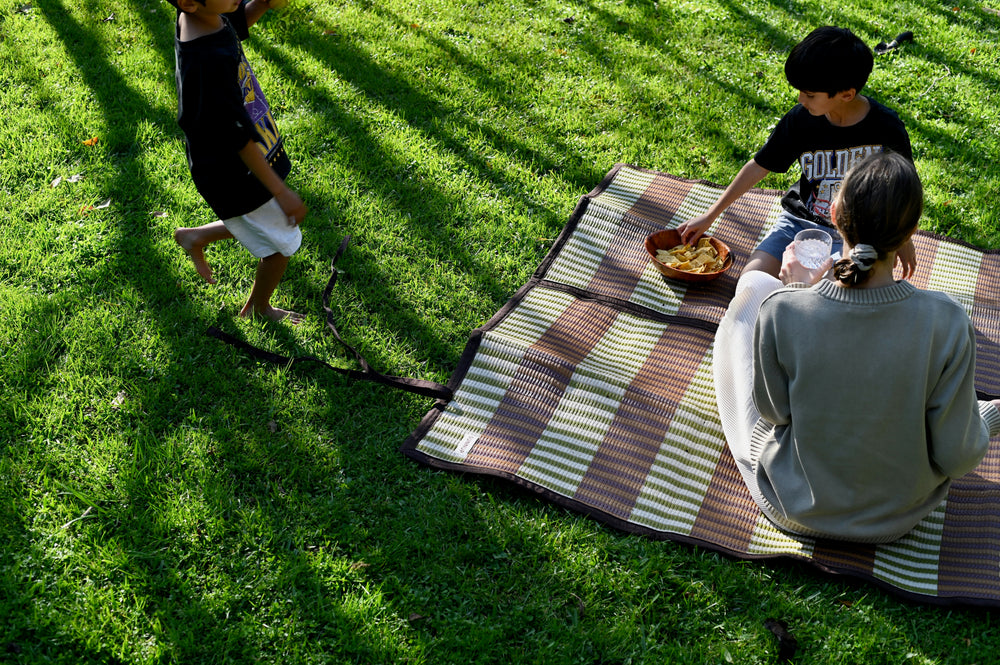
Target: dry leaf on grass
73	178
104	204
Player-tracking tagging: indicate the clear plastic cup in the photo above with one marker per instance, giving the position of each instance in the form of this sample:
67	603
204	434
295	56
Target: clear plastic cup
812	247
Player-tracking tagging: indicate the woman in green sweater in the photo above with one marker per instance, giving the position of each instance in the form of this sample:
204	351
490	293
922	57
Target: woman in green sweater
849	404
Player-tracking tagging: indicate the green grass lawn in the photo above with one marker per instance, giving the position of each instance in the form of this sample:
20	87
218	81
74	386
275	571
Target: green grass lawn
165	499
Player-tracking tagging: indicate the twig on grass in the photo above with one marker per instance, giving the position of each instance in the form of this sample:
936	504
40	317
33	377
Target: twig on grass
86	513
935	81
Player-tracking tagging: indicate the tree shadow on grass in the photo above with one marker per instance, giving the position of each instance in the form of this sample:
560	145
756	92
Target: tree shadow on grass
126	509
744	90
282	530
159	554
385	175
391	89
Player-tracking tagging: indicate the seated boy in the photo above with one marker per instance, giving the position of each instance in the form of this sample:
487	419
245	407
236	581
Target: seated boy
236	155
831	128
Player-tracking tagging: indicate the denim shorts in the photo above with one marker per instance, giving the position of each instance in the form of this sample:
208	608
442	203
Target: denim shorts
783	233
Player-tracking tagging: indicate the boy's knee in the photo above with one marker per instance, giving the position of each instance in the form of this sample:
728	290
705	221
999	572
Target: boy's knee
763	262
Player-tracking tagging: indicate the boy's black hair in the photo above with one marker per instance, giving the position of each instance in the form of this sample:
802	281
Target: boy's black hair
829	60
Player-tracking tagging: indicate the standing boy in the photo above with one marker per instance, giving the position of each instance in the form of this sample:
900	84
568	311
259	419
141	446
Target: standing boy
236	155
831	128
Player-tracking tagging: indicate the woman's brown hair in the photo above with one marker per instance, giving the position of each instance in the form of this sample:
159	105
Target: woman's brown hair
879	204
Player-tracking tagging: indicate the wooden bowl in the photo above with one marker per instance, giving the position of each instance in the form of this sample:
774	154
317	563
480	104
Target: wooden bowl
670	238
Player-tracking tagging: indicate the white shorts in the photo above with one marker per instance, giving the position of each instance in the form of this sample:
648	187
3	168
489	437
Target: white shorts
265	231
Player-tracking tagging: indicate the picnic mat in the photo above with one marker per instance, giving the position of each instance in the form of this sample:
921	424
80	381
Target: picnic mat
593	386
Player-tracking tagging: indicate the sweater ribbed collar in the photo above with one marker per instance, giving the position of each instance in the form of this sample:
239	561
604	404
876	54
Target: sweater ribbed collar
887	294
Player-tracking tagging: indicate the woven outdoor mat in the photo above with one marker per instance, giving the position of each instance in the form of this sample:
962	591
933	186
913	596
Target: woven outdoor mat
593	386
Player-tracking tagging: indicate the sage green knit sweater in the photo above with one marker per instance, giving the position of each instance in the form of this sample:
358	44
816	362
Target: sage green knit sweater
868	408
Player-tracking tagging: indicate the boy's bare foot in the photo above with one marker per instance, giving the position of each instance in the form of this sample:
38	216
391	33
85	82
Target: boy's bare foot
273	314
183	238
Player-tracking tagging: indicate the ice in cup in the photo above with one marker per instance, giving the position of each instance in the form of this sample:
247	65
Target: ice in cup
813	247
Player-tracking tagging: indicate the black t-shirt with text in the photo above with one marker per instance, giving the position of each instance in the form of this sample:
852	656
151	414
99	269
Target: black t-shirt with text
825	152
220	108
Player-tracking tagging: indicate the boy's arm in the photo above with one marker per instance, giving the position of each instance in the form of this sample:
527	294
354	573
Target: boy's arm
749	175
256	9
290	203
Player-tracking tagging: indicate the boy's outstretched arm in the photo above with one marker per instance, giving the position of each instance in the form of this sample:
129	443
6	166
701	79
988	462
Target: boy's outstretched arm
256	9
749	175
289	201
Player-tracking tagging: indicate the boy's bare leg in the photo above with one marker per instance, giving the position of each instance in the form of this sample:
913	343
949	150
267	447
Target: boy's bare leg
762	261
269	272
193	241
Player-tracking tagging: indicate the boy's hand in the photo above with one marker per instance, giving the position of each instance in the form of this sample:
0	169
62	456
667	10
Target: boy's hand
792	271
693	228
749	175
292	205
257	8
906	257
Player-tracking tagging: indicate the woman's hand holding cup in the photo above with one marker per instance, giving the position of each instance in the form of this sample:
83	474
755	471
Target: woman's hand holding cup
792	269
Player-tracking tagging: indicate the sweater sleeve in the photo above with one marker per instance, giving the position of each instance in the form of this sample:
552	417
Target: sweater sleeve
770	382
957	432
991	416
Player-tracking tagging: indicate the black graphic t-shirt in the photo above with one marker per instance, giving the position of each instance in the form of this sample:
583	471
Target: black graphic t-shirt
220	108
825	152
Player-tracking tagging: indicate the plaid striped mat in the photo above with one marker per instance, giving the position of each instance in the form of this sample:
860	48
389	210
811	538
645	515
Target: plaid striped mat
593	386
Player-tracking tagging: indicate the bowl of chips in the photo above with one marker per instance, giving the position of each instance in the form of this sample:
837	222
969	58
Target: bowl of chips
705	260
